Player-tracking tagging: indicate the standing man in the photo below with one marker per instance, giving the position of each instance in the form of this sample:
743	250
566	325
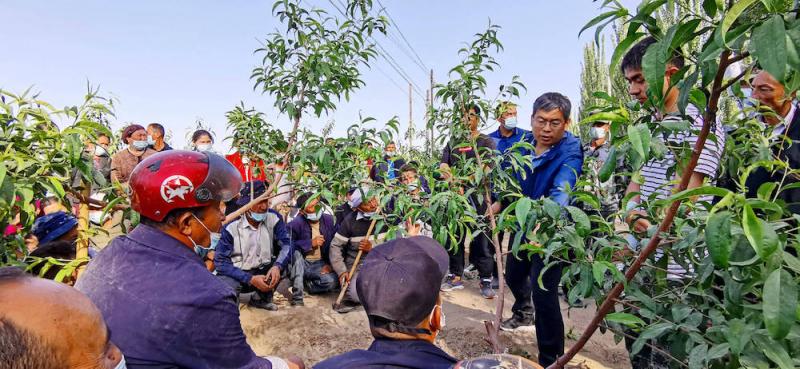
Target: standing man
312	233
162	306
255	250
557	161
351	238
782	115
505	137
454	156
597	151
389	167
660	176
155	137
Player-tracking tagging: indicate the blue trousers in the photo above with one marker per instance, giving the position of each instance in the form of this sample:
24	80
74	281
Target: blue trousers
315	281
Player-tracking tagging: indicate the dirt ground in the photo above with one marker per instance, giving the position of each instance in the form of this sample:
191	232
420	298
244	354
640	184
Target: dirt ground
315	332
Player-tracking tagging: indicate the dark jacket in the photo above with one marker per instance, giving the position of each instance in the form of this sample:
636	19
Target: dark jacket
300	231
380	171
392	354
788	151
342	212
163	308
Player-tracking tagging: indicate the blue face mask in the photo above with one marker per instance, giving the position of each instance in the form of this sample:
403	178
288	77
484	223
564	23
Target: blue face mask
150	140
121	364
140	145
258	217
511	122
314	216
214	236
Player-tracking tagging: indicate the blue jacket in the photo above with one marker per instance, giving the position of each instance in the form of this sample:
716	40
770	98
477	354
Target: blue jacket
281	246
553	171
163	308
504	143
392	354
301	234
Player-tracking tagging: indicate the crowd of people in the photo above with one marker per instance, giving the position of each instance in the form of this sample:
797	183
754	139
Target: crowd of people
167	293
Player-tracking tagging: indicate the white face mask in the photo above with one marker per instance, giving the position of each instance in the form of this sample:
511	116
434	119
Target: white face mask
598	133
100	151
314	216
151	141
140	145
121	364
511	122
204	147
214	236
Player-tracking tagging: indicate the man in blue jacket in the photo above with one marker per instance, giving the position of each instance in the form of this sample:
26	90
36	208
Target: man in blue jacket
255	250
312	232
556	164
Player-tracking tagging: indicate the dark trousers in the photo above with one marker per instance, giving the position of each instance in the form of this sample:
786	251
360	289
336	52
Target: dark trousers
480	255
522	276
240	287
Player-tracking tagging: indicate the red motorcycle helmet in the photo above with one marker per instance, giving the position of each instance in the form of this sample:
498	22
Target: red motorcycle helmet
179	179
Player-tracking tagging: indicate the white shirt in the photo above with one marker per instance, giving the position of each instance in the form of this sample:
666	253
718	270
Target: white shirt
781	128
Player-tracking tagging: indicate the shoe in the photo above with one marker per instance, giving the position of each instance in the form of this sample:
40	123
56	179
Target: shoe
346	307
516	321
486	289
495	283
452	283
263	305
298	303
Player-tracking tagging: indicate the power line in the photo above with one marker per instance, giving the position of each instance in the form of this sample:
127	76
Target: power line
422	65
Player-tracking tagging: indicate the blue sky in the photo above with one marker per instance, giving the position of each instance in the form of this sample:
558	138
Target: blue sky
178	61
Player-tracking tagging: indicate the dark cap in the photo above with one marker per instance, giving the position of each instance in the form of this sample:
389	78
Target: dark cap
497	361
259	187
400	279
53	226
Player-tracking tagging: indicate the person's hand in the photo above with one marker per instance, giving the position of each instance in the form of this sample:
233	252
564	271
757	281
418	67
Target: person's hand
273	277
209	261
621	255
412	227
365	245
326	269
637	219
259	282
641	225
317	242
344	278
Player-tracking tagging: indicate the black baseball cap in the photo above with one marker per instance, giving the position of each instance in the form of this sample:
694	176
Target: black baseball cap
400	279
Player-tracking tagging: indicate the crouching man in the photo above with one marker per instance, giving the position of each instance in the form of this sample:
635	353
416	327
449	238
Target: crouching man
312	232
255	250
162	306
399	288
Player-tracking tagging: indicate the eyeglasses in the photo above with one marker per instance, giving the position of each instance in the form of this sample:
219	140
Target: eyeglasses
555	123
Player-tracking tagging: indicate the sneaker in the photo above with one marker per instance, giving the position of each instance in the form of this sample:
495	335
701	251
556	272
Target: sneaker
452	283
259	304
346	307
298	303
495	283
516	321
486	289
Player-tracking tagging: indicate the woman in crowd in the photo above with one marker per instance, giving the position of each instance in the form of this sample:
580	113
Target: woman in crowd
202	140
123	162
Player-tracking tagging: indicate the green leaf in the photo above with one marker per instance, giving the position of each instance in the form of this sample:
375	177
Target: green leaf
625	319
710	7
737	333
621	49
609	166
522	209
582	224
552	208
731	16
599	272
637	142
769	46
775	352
780	303
596	20
763	240
792	262
718	238
697	356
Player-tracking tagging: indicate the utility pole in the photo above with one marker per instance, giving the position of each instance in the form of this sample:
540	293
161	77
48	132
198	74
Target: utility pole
410	119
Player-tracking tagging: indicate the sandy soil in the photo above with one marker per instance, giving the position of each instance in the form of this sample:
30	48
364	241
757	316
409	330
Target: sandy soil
315	332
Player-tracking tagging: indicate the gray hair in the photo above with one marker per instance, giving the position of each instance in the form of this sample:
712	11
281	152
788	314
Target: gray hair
553	100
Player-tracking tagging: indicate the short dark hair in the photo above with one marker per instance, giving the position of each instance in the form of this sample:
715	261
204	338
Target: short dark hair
633	58
553	100
158	127
473	106
200	133
21	349
303	199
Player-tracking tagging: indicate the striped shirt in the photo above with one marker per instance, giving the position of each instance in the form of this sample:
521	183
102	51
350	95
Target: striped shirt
660	176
